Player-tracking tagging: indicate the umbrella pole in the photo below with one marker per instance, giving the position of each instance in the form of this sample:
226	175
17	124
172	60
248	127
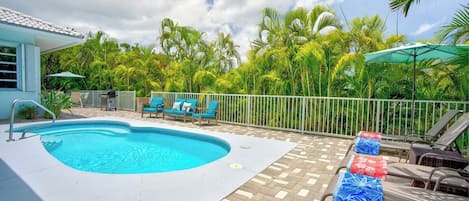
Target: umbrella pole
86	87
413	96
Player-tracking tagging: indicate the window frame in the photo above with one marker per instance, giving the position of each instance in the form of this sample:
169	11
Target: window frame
18	62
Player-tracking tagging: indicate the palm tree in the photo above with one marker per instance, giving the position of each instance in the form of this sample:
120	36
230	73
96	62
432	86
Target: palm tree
125	75
279	42
403	5
226	55
457	31
321	18
310	59
349	74
270	31
186	47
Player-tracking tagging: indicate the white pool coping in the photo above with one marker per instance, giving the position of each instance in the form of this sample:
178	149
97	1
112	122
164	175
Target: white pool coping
28	172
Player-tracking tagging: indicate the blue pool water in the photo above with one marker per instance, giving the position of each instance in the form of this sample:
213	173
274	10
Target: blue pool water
116	148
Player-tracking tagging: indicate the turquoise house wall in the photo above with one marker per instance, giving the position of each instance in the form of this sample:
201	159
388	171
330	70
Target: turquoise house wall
28	69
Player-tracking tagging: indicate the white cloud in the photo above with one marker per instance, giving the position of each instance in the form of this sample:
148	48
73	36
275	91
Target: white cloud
308	4
139	21
424	28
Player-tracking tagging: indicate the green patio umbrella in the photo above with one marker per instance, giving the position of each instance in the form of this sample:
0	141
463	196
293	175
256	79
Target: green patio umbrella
69	75
66	74
414	53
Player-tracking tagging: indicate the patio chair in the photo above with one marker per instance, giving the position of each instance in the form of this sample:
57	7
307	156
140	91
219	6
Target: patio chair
447	138
76	98
182	108
398	191
209	114
156	106
83	98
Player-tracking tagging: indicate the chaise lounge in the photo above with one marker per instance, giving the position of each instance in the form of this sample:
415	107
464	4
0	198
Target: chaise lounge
432	135
439	146
397	191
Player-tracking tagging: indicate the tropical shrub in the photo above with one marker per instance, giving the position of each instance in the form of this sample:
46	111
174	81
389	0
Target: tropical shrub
28	112
55	102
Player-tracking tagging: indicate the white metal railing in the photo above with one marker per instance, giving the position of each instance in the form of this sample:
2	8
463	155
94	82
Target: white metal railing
12	115
325	115
125	100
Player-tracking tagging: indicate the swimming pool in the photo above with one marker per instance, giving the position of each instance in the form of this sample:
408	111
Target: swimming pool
114	147
30	168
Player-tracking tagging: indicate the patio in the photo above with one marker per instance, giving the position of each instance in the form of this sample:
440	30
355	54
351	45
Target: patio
301	174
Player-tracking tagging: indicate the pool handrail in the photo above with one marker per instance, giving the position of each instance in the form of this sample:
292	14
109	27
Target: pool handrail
12	115
27	130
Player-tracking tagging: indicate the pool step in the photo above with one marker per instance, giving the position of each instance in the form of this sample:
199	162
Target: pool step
50	142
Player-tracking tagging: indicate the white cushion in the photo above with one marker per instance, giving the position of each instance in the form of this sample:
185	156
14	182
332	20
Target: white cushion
187	106
176	106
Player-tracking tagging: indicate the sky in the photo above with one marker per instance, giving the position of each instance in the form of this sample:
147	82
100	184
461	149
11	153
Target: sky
138	21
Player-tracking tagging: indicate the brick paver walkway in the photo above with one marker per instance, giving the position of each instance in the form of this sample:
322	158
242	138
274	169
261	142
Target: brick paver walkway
301	174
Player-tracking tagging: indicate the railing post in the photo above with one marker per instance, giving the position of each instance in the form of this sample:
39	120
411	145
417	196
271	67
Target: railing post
303	114
117	100
248	109
208	99
135	101
92	98
377	116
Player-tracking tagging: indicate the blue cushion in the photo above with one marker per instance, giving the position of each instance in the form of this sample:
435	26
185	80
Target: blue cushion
169	111
176	112
204	115
212	107
367	146
156	102
151	109
357	187
193	103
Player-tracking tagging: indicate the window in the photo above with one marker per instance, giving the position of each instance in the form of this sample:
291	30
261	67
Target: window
8	67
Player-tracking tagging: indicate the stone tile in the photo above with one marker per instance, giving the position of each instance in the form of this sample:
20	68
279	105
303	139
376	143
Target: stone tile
312	181
283	175
244	193
283	182
281	194
258	181
303	192
264	176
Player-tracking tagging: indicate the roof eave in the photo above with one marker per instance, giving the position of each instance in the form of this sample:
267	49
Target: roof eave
38	33
81	36
63	47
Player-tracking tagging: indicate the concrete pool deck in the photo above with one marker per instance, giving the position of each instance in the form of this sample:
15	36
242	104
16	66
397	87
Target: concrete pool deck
29	172
301	174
